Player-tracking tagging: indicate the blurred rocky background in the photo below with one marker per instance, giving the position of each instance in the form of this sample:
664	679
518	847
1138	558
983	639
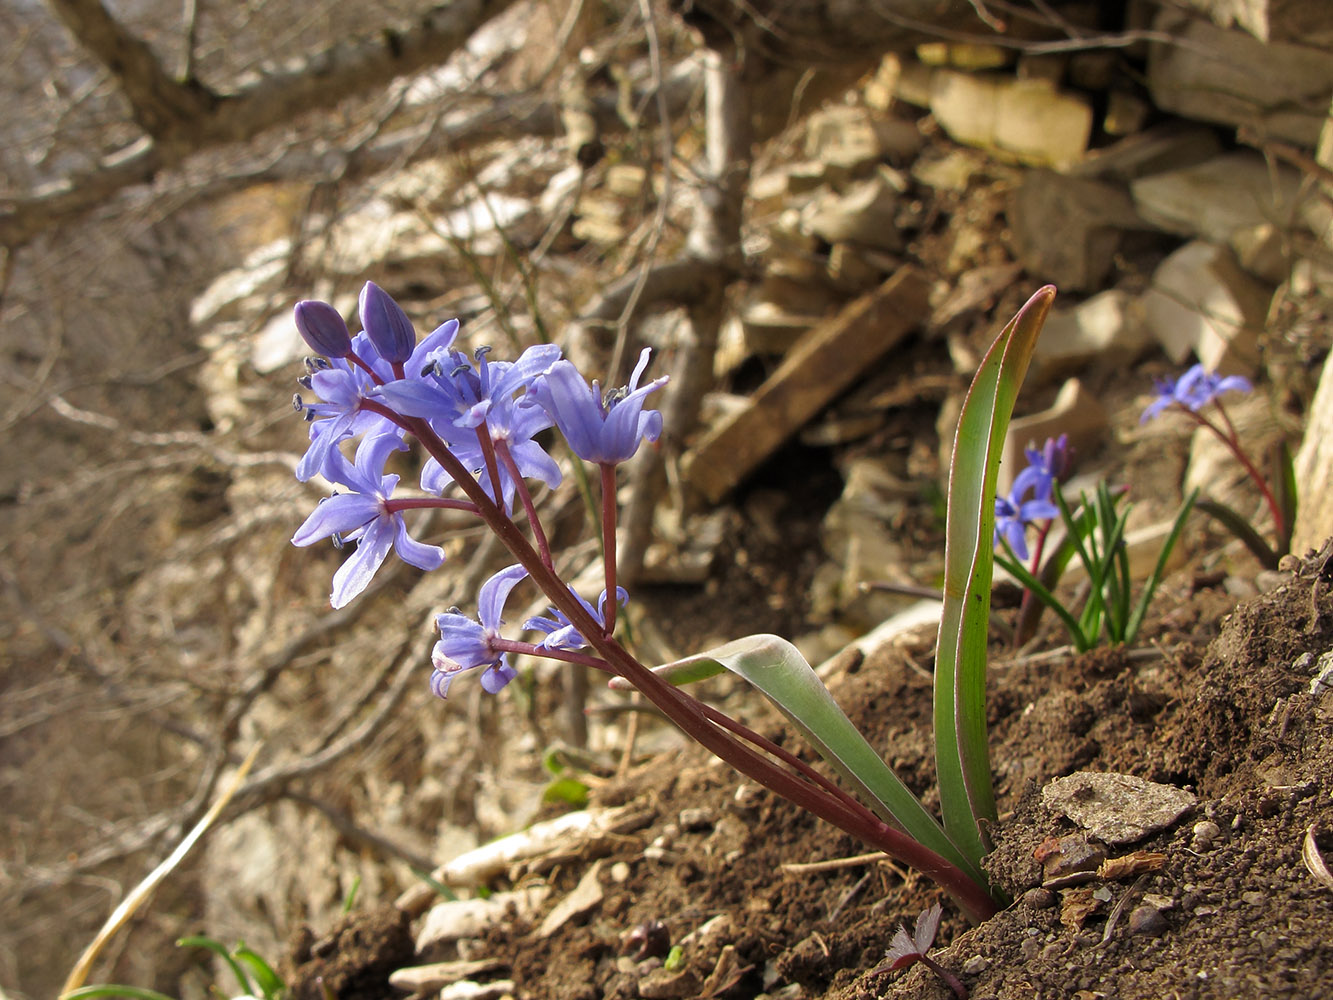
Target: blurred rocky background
813	212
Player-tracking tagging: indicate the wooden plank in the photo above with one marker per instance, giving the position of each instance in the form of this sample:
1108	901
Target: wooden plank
823	363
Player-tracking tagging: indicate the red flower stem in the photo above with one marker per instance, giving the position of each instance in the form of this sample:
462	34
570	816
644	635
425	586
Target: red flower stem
525	495
687	712
950	980
492	468
423	503
356	360
609	544
1231	439
568	655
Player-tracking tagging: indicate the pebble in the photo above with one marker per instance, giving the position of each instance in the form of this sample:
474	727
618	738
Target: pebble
696	820
1147	920
1039	899
1205	832
620	871
976	965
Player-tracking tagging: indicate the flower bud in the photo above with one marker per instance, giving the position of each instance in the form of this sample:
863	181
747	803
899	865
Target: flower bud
386	324
322	327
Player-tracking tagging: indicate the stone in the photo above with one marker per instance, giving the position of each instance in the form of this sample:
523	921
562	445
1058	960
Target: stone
464	918
1153	151
865	214
1221	196
1314	469
1274	20
822	364
1075	412
1067	230
1201	302
1227	76
587	894
233	292
1107	328
1117	808
1147	920
855	138
426	978
1125	114
1029	120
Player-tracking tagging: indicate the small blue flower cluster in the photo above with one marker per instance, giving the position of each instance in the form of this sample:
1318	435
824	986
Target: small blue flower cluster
1193	390
1013	513
381	386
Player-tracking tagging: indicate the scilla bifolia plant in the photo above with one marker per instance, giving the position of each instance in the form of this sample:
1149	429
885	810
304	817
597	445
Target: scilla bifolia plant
477	418
1095	532
1192	394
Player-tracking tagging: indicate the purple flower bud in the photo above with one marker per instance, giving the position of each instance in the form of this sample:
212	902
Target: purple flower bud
387	326
322	327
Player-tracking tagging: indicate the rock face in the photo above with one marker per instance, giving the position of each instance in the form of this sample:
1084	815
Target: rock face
1232	78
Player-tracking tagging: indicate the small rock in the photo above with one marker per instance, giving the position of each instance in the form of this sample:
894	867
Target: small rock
1205	832
976	965
587	894
663	985
1039	899
696	820
864	214
1202	302
1147	920
1117	808
1107	328
461	918
1028	119
1075	412
1074	860
620	871
1079	253
427	978
468	990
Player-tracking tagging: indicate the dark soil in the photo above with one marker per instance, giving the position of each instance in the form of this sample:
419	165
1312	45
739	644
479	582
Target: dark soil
1222	708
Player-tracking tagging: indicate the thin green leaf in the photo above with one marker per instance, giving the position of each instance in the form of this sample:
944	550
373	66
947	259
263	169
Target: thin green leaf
1241	529
962	754
350	899
269	981
777	668
132	992
1149	587
1041	592
222	952
1284	484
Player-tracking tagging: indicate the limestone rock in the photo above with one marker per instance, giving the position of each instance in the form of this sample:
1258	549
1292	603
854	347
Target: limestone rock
855	138
864	214
1027	119
234	292
1275	20
1226	196
1227	76
1075	412
1202	302
462	918
1116	808
1108	328
1067	229
1314	470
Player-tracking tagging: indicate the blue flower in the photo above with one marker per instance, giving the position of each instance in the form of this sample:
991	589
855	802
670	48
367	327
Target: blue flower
343	385
1013	515
386	324
322	327
362	516
466	644
560	631
1193	390
603	430
1044	467
457	397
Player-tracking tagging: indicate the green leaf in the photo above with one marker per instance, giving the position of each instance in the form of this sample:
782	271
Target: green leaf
1149	587
222	952
1242	529
269	981
962	755
777	668
133	992
567	790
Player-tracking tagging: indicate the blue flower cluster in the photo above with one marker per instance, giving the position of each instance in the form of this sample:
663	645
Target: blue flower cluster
1013	513
380	386
1193	390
